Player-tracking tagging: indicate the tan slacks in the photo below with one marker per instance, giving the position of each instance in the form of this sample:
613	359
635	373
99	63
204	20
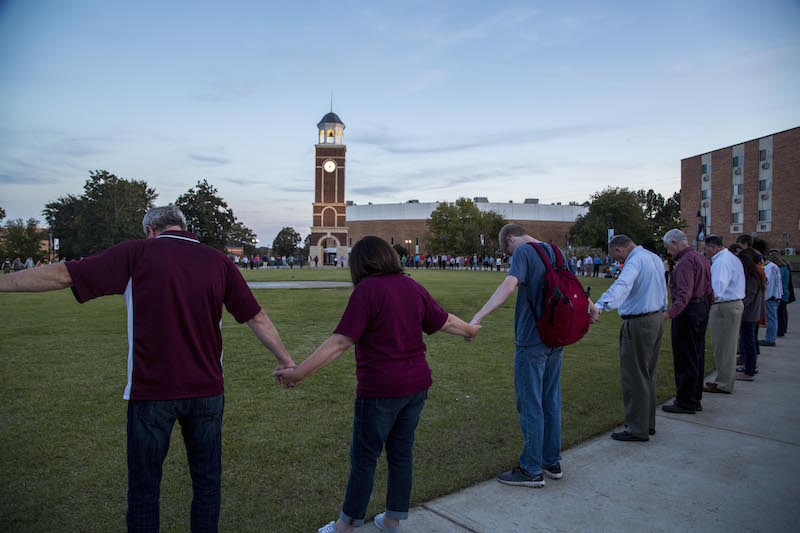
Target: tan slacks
639	345
724	321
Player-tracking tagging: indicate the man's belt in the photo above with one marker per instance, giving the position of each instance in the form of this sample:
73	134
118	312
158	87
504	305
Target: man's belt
628	317
726	302
697	300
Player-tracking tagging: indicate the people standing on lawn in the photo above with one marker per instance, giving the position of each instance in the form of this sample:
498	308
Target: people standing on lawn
773	294
640	294
691	294
385	318
179	287
588	265
725	317
597	263
537	367
755	283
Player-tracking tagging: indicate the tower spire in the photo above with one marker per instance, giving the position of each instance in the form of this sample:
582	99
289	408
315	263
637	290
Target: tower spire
331	100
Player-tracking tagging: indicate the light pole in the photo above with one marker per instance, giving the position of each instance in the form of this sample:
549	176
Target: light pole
408	246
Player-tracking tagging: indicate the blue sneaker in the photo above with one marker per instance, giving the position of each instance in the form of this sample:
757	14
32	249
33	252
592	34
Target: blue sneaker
519	477
553	471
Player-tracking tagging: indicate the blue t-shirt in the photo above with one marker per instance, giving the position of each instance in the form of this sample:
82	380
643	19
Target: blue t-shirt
528	268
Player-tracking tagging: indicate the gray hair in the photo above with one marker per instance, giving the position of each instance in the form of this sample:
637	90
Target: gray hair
620	241
162	217
675	236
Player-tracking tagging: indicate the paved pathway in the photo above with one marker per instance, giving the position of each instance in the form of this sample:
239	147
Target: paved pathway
733	467
298	284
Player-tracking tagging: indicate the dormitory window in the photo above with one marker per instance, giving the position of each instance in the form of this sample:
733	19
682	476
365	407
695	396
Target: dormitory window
704	194
738	189
704	169
736	218
762	155
763	185
736	161
765	215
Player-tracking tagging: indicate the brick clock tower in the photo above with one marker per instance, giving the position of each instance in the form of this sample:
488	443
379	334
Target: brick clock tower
329	234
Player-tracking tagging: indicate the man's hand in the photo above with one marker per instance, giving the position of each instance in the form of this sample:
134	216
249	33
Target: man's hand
594	313
666	316
473	329
288	365
289	377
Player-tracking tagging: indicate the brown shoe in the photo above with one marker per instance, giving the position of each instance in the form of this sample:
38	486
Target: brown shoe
712	387
741	376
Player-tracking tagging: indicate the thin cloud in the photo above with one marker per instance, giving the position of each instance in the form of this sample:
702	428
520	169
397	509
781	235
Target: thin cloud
210	159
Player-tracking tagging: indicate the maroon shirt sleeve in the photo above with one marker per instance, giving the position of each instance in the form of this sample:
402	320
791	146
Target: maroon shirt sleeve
239	299
356	315
104	273
435	316
681	286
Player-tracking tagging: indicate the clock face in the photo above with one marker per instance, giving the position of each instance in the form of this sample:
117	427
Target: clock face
329	166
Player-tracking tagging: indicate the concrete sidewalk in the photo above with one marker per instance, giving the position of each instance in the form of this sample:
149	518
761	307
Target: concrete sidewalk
733	467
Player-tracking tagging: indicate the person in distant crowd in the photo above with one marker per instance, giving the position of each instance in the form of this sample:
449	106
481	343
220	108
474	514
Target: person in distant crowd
385	319
747	241
597	263
573	262
787	293
691	294
301	261
291	261
6	267
735	248
773	294
579	267
416	261
640	294
474	262
341	261
29	263
725	317
179	287
537	367
588	264
316	261
18	265
753	302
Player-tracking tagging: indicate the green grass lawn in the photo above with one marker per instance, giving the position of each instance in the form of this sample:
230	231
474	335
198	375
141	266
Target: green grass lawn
285	452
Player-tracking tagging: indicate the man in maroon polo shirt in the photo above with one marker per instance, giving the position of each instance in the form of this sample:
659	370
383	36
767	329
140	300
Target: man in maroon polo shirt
174	289
692	297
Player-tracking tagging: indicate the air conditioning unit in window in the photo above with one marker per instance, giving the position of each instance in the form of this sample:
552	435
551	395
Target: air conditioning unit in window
765	165
789	251
762	227
765	196
737	171
705	203
737	200
705	177
736	229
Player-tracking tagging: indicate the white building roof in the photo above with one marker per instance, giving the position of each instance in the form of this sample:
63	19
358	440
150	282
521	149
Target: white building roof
422	211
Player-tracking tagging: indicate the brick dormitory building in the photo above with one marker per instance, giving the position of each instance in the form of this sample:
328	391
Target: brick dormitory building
752	187
338	224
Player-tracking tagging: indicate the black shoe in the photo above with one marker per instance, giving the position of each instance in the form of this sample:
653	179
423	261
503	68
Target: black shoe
675	408
519	477
765	343
553	471
652	432
699	407
627	436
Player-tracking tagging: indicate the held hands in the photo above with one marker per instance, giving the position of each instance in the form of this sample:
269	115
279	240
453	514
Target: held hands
472	331
594	313
288	376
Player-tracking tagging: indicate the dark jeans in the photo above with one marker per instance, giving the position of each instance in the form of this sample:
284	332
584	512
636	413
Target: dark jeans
782	318
688	352
379	422
748	345
596	270
150	424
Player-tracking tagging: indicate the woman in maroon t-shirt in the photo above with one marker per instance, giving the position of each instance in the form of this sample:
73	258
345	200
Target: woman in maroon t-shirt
385	318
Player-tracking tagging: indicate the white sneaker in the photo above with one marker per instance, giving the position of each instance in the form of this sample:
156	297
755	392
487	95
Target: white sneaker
383	527
330	527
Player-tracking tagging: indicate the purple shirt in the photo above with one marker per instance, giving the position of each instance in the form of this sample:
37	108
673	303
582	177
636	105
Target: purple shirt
174	289
690	279
386	316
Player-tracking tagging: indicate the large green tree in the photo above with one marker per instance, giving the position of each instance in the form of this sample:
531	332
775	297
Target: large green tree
455	228
285	243
23	239
209	217
109	211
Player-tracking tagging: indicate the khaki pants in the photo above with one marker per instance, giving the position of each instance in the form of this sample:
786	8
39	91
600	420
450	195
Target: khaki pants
639	344
724	321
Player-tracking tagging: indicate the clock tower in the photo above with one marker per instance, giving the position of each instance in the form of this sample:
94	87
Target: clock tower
329	234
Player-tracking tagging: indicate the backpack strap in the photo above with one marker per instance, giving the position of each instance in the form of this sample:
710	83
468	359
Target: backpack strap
543	255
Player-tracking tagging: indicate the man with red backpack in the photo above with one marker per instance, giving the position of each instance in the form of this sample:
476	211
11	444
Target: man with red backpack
551	312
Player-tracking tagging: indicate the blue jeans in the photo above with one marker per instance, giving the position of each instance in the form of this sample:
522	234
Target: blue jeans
537	380
747	346
150	425
379	422
772	320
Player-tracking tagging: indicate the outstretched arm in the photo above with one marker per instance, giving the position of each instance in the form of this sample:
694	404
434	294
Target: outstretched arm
500	295
328	352
456	326
39	279
268	335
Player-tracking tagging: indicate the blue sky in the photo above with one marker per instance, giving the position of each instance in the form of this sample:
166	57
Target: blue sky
554	100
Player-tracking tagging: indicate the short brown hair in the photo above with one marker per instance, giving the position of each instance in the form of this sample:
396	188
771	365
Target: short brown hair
372	256
620	241
510	230
745	239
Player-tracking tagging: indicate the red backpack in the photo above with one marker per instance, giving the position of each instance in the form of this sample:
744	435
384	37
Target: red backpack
565	313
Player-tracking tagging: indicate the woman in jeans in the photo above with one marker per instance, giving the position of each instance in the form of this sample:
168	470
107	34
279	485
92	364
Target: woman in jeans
385	318
753	309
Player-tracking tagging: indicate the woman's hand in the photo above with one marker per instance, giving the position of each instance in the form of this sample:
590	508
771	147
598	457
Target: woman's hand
289	377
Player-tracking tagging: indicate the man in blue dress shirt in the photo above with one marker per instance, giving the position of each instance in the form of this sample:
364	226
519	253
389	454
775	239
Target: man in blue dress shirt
640	294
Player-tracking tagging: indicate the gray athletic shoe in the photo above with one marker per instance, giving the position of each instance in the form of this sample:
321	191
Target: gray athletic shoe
518	476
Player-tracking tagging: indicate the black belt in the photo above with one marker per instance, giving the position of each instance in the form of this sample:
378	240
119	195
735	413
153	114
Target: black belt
726	302
628	317
697	300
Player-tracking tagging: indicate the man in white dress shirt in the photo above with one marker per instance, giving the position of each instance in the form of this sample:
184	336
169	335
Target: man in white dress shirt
640	294
725	318
773	294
